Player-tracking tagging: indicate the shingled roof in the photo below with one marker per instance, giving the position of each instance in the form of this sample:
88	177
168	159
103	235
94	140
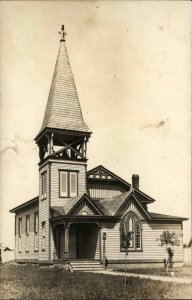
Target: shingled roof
156	216
63	109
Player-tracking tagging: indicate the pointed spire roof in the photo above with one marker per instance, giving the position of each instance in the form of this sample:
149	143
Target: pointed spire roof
63	109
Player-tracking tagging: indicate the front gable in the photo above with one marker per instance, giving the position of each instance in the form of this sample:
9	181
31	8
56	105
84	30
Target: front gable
132	204
102	183
85	207
101	173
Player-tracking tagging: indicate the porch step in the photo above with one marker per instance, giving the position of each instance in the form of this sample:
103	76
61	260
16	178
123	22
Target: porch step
85	266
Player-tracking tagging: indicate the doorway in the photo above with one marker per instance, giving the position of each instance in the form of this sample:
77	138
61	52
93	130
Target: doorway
87	241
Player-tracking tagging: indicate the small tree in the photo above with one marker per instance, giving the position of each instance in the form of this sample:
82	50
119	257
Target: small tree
126	242
169	239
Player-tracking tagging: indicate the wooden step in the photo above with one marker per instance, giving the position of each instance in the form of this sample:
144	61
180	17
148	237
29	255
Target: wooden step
85	266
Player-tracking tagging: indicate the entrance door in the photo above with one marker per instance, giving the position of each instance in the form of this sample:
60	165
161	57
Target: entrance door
87	240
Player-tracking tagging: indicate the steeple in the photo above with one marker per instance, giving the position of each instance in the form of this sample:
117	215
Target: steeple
63	119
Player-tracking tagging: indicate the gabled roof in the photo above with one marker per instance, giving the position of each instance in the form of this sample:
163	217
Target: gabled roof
63	109
112	204
102	171
81	203
71	206
58	209
137	203
25	204
115	205
156	216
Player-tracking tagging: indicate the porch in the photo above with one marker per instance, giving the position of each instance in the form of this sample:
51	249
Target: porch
77	241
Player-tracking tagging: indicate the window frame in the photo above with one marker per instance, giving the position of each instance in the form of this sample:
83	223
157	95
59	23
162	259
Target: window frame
27	232
68	193
44	185
36	232
124	225
20	235
43	235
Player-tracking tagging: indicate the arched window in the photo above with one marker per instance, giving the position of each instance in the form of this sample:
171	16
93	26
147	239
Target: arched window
130	233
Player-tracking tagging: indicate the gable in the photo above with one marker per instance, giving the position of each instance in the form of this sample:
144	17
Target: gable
103	184
101	173
132	204
85	206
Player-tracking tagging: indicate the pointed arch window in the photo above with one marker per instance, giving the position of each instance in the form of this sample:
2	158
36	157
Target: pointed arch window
131	227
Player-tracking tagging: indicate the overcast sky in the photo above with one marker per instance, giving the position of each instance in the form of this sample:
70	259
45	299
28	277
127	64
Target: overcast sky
131	62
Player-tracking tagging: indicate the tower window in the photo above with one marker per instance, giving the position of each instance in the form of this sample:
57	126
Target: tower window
43	236
68	183
36	231
44	185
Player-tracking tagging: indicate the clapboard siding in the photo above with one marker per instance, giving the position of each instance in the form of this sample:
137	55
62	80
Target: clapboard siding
23	254
55	167
102	190
44	215
151	248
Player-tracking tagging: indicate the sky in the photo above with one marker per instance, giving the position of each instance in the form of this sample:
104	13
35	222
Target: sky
131	62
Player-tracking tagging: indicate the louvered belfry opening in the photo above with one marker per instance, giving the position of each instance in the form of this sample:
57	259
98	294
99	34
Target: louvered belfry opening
64	133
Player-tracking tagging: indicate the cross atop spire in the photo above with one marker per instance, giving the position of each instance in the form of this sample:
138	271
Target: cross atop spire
63	34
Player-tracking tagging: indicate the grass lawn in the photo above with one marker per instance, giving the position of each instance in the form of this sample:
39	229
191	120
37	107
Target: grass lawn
33	282
185	271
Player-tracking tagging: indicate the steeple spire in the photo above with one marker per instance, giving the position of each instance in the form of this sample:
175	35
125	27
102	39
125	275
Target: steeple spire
63	34
63	111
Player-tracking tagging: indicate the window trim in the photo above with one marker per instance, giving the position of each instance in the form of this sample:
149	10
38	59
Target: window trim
36	232
43	235
68	172
27	234
20	221
125	222
43	184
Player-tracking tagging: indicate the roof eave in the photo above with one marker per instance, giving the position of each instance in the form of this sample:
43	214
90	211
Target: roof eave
59	131
25	204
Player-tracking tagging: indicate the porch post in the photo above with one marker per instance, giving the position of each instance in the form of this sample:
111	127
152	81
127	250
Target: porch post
66	246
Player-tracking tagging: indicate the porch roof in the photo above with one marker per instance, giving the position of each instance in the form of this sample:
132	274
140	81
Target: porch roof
82	219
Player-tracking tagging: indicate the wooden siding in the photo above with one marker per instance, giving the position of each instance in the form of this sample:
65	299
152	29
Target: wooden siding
44	215
55	167
99	190
150	234
31	254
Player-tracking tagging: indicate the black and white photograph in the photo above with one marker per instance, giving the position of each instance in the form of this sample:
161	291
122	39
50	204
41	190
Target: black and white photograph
95	186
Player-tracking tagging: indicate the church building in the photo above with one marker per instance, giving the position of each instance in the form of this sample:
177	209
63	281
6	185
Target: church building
81	215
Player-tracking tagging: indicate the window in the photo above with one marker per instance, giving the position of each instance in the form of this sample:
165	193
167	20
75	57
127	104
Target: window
44	185
138	235
36	231
43	236
27	234
68	184
20	234
130	229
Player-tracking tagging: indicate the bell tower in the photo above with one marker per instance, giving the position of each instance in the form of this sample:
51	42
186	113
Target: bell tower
62	142
64	133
